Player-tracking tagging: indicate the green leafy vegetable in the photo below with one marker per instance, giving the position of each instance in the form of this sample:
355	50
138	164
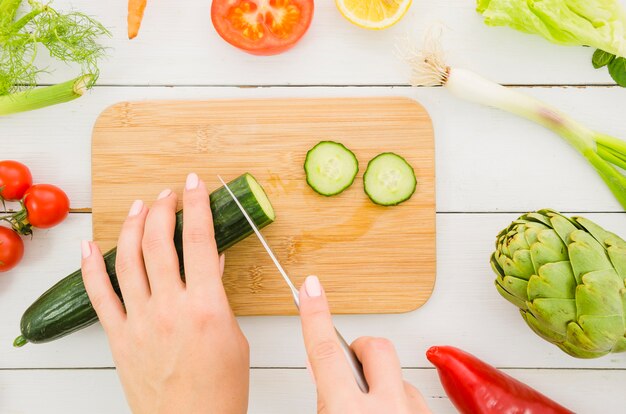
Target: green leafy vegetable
617	69
597	23
68	37
601	58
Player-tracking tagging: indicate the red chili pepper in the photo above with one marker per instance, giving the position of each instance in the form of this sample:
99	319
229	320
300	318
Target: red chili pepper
475	387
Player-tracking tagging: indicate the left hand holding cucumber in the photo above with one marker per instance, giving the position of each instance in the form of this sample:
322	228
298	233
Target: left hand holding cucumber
176	345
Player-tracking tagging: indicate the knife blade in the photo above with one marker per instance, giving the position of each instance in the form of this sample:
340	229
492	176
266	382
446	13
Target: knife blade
353	361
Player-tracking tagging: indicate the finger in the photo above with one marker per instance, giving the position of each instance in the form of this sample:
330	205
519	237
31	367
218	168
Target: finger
131	272
330	367
202	263
159	253
309	369
321	406
222	264
103	298
381	365
415	398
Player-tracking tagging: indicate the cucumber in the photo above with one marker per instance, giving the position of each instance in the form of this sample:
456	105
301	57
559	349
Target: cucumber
65	307
330	168
389	179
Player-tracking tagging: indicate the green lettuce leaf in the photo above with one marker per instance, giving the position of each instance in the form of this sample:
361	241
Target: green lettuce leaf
597	23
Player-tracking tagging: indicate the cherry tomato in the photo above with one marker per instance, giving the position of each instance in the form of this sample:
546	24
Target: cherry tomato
46	205
11	249
15	179
262	27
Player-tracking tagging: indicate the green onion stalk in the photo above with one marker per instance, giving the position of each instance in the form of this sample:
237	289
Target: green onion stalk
605	153
67	37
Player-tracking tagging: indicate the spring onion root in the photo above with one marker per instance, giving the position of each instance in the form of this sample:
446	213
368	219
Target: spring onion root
45	96
604	153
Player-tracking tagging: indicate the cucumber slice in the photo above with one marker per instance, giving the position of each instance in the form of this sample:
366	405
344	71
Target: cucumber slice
330	168
389	179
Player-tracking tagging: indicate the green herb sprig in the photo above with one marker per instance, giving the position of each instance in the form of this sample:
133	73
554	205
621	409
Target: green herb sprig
70	37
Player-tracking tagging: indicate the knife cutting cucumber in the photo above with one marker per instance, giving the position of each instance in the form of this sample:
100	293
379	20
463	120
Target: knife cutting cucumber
330	168
389	179
65	307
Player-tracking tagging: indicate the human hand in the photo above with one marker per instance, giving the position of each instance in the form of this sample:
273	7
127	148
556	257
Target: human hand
337	390
176	345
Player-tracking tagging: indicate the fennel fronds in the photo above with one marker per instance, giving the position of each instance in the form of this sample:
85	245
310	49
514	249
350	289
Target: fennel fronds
68	37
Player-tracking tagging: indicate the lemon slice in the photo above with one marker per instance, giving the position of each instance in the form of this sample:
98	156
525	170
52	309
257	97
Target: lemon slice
373	14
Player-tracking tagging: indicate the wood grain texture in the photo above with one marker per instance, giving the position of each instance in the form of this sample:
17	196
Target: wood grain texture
486	160
287	391
465	309
371	259
178	45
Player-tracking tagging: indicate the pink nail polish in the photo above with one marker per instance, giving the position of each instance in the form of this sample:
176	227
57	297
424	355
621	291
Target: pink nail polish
135	208
164	193
85	248
313	287
192	181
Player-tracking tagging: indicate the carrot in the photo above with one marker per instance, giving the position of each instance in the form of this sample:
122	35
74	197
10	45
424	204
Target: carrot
135	14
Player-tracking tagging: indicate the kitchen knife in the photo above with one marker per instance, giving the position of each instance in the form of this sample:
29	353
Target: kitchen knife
353	361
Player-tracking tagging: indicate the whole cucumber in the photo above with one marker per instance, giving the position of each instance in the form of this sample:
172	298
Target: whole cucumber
65	307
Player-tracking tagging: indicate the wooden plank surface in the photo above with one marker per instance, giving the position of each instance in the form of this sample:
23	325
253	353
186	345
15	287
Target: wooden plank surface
371	259
486	160
465	309
177	45
284	391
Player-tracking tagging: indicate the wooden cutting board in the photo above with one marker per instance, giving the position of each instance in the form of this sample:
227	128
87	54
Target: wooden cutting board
370	259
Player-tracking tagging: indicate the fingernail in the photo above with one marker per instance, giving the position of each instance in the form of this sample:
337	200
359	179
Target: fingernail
313	287
222	263
135	208
192	181
310	371
164	193
85	248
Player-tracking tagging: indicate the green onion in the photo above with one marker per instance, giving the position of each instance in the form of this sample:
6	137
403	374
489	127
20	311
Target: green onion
45	96
603	152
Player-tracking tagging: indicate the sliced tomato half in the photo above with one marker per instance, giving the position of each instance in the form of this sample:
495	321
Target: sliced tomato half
262	27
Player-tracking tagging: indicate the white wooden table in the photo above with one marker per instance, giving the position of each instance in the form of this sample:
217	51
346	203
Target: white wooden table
490	168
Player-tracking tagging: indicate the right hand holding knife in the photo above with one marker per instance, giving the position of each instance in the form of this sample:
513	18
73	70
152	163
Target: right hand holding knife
337	392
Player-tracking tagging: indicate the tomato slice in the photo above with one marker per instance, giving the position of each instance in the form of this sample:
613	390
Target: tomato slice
262	27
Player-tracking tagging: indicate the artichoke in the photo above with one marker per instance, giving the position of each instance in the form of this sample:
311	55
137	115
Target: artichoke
566	275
